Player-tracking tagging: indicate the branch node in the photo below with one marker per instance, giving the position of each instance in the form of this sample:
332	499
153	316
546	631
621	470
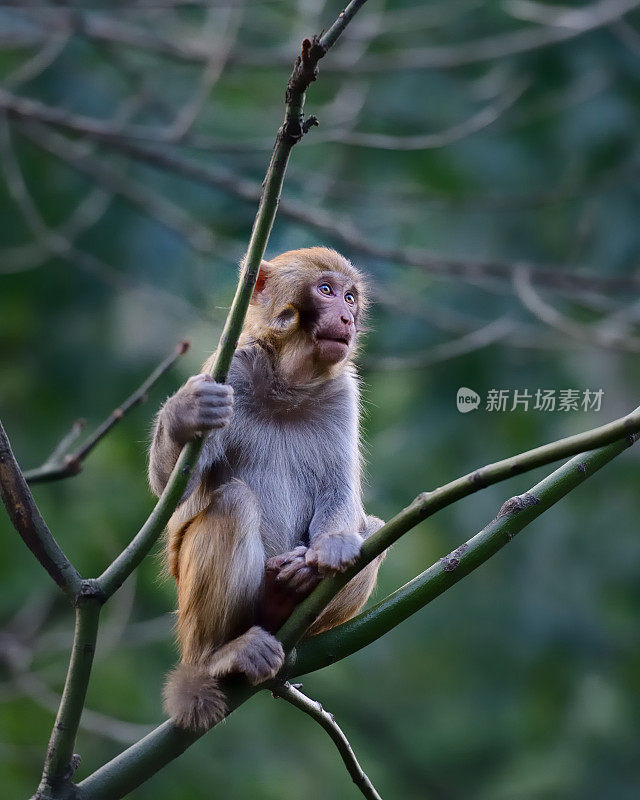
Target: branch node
305	69
310	122
452	561
74	763
90	590
478	479
72	464
517	503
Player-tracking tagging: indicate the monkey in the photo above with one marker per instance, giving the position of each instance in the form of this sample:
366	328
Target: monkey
274	503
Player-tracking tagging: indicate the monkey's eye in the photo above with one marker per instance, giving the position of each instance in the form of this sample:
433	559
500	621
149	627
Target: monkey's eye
350	298
325	289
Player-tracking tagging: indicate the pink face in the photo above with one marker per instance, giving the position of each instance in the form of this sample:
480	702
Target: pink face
335	312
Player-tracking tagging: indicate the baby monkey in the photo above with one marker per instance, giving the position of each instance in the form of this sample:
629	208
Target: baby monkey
275	502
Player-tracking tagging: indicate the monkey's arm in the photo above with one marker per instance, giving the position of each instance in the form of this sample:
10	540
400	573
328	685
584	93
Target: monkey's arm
200	406
334	538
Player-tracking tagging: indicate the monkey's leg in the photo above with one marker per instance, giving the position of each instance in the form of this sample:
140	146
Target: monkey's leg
220	572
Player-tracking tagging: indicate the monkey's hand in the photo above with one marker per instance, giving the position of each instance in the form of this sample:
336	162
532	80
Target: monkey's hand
290	571
333	552
200	406
288	579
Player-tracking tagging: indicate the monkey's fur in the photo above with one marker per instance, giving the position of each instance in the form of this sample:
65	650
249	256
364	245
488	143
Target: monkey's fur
278	489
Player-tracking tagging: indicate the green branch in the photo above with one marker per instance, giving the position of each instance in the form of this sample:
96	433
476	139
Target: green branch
61	763
428	503
336	644
146	757
293	129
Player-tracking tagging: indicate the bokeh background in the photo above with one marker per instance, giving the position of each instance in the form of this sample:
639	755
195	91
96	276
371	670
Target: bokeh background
480	161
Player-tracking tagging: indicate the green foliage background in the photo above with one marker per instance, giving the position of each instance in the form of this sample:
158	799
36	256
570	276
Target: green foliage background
522	682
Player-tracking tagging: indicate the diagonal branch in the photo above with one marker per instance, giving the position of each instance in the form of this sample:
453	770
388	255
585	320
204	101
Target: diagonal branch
62	464
336	644
166	742
27	520
313	709
427	503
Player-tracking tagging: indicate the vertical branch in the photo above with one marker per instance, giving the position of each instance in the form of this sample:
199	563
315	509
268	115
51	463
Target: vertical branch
60	762
293	129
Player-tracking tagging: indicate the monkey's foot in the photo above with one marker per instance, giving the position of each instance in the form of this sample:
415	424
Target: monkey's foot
256	654
290	571
333	552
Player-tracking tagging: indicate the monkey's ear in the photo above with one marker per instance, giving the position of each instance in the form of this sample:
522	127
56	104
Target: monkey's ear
261	281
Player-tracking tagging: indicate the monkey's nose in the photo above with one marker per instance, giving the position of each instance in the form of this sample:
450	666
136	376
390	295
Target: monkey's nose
346	320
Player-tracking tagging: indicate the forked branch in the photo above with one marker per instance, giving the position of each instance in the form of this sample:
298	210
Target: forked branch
334	645
166	742
426	504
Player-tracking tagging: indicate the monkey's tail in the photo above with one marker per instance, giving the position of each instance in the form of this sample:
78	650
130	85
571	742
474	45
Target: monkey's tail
193	698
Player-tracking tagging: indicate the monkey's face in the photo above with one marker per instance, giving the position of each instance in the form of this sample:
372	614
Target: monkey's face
330	317
306	307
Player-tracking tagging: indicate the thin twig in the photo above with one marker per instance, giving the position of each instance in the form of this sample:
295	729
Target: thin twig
100	27
117	730
39	62
314	710
62	464
492	332
168	213
64	445
550	316
431	141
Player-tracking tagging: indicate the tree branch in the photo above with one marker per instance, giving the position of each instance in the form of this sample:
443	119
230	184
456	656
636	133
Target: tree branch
319	651
143	759
60	762
101	28
426	504
293	129
314	709
27	520
61	464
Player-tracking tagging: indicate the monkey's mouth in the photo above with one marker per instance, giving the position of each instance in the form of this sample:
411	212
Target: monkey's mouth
340	339
332	348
